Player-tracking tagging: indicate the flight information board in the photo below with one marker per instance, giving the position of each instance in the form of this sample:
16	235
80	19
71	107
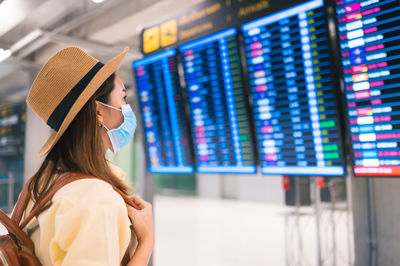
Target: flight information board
218	110
12	130
369	41
165	127
292	92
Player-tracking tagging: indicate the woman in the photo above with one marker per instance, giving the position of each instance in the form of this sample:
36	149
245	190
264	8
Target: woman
87	222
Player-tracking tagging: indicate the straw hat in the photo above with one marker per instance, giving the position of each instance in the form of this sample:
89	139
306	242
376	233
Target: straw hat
64	85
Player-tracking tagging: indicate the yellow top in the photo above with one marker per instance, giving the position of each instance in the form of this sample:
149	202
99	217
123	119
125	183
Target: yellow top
86	224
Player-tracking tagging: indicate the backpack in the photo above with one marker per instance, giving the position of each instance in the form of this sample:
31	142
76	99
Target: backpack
16	248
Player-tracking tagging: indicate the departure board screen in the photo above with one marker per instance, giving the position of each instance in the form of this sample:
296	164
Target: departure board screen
12	130
219	118
369	41
165	128
292	92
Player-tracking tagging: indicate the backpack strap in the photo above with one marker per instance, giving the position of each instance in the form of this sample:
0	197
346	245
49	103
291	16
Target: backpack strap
62	181
22	203
15	230
12	223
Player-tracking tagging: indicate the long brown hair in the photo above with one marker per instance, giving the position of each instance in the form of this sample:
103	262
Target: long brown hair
79	150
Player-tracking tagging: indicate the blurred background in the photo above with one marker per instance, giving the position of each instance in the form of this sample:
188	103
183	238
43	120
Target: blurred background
268	130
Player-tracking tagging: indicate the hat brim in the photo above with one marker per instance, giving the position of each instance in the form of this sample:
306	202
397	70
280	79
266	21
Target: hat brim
109	68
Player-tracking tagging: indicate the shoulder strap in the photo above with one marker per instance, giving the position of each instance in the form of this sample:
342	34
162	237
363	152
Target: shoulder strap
14	229
22	203
11	223
62	181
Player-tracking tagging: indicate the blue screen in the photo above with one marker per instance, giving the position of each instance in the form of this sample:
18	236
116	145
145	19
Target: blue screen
218	108
369	41
292	92
165	127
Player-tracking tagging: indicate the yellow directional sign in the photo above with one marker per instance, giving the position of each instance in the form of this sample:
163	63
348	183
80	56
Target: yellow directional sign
151	39
169	32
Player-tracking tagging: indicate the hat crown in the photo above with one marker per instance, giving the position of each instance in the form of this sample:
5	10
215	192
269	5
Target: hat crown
64	85
57	78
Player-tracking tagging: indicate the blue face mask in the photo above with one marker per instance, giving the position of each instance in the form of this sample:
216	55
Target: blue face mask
122	135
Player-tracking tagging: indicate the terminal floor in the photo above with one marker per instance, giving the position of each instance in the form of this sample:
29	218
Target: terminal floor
192	231
213	232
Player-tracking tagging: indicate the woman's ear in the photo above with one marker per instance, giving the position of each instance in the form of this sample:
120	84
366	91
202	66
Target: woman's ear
99	114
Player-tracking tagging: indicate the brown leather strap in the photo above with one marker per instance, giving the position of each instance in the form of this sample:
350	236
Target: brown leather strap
17	231
62	181
23	199
22	203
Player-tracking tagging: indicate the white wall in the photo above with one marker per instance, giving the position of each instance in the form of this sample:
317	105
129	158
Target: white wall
36	135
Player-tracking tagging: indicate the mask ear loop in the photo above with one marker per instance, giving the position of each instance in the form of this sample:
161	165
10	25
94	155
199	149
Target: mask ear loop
102	125
105	127
110	106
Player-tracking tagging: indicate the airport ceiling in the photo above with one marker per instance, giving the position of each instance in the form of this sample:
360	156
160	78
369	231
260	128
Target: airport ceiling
35	29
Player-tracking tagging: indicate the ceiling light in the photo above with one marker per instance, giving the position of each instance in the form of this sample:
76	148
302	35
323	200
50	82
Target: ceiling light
97	1
4	54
